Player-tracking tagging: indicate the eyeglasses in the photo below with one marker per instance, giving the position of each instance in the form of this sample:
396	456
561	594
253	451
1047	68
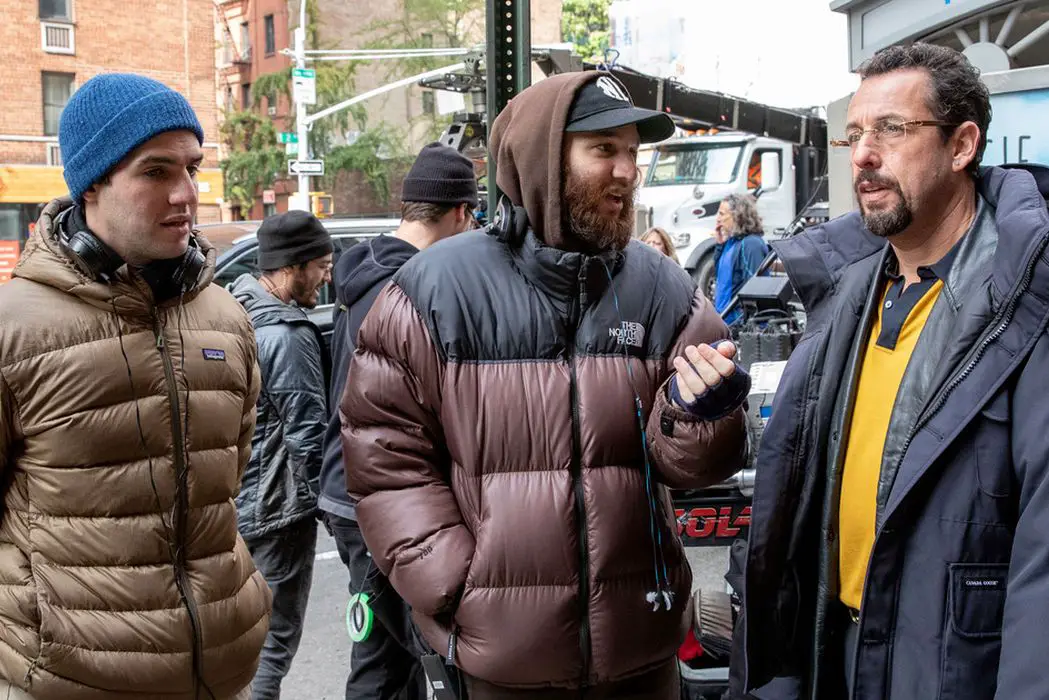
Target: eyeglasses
887	132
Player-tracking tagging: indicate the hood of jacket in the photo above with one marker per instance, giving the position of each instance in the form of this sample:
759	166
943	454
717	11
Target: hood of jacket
45	262
364	265
528	166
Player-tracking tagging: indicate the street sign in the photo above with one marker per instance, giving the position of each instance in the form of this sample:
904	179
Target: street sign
304	84
291	149
305	167
269	196
287	137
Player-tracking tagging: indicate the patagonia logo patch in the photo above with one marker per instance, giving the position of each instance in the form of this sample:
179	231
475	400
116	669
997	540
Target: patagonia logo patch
984	583
214	354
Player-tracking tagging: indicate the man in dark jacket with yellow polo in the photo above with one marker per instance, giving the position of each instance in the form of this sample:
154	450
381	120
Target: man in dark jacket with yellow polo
901	511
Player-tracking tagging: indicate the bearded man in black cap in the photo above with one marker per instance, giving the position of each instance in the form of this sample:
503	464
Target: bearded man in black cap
277	503
521	399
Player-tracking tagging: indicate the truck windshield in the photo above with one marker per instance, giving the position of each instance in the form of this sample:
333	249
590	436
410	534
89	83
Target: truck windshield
694	164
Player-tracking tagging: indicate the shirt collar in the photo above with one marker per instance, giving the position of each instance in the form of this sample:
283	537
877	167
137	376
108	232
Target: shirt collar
940	269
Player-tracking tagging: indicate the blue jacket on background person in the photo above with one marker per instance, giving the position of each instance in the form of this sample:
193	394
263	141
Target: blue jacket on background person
736	261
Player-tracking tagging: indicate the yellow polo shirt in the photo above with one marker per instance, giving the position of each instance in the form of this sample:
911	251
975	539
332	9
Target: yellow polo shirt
901	318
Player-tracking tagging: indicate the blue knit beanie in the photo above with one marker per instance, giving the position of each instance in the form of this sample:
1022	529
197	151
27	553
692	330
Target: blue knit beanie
111	115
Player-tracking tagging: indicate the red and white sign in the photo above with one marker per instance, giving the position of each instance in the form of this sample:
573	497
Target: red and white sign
269	197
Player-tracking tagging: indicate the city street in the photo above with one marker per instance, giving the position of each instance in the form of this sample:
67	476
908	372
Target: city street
319	671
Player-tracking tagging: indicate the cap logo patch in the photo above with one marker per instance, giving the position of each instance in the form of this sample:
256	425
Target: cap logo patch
612	89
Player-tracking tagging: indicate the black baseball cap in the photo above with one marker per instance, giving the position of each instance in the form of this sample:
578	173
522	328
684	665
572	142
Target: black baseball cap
605	104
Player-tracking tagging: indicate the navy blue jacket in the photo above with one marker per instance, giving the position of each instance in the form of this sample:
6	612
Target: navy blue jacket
956	603
360	274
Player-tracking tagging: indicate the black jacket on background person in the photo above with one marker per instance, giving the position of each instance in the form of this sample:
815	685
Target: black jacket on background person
280	483
359	276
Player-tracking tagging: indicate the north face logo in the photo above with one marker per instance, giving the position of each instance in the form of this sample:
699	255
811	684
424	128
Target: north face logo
612	89
630	333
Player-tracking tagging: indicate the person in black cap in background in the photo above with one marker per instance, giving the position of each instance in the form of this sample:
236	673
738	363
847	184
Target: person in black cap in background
277	503
520	400
437	202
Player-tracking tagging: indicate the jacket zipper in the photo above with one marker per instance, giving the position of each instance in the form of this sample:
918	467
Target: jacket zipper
182	499
580	507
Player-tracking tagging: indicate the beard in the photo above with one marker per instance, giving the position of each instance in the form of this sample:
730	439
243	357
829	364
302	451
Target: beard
301	291
595	232
884	223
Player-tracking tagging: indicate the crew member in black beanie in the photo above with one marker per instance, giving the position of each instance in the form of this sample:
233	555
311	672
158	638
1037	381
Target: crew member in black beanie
437	200
277	503
440	175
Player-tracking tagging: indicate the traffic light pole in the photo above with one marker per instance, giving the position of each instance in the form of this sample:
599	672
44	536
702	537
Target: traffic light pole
302	196
508	69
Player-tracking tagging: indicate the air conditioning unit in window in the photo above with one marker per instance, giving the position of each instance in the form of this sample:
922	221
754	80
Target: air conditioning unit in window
272	111
54	154
57	38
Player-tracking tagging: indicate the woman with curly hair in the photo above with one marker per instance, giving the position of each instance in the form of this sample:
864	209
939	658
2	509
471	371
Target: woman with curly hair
660	240
740	248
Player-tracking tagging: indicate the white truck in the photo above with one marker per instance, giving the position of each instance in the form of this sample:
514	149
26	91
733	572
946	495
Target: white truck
687	178
744	146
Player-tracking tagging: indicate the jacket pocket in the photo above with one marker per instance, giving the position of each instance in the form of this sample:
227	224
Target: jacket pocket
992	447
972	640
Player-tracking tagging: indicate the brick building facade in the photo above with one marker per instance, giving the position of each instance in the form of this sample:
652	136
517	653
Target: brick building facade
49	47
252	33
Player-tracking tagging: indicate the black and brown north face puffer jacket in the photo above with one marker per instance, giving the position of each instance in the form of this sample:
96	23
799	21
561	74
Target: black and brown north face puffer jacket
490	435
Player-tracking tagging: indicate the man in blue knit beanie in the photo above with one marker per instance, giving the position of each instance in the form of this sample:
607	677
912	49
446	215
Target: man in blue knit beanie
128	385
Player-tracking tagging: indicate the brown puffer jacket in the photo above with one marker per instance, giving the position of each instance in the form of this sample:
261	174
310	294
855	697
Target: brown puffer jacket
96	539
491	435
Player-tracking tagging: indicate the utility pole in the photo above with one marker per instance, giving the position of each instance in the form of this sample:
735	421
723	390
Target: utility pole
508	65
302	197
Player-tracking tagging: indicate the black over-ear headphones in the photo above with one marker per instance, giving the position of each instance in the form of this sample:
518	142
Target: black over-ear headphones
100	262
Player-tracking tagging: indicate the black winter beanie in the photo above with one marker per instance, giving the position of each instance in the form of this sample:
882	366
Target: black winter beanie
292	238
440	175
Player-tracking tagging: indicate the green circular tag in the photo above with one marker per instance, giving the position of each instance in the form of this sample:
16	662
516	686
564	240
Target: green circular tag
359	617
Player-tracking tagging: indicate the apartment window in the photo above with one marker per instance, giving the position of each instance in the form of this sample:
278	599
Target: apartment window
245	42
271	36
57	89
428	104
56	9
245	96
227	50
426	41
269	210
